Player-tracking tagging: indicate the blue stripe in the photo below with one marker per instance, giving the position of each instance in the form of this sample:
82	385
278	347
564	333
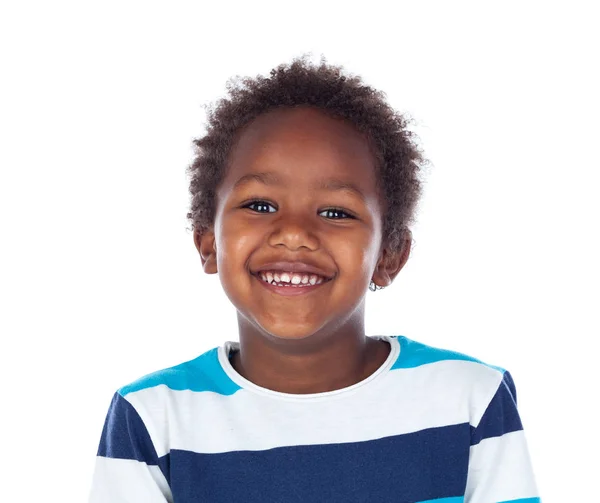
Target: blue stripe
414	354
523	500
501	415
164	463
201	374
124	435
419	466
457	499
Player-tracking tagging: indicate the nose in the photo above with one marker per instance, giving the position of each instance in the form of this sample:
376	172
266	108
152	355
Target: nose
294	232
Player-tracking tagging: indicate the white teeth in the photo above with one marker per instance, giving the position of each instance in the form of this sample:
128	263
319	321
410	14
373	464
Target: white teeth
291	278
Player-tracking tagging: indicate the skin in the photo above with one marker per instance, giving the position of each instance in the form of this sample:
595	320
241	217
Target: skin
315	342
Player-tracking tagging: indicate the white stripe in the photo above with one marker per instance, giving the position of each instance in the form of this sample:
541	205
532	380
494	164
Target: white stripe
406	400
500	470
127	480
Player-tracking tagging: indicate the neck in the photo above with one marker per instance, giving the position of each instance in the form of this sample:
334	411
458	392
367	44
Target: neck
314	364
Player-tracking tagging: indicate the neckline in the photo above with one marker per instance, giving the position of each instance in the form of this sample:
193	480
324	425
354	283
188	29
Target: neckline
229	346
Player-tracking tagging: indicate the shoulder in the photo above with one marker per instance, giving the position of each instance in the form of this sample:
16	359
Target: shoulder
149	404
415	354
452	375
203	373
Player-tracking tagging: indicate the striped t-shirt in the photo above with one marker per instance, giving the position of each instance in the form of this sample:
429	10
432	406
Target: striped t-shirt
430	425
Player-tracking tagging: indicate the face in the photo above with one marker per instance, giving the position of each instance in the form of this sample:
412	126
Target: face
300	188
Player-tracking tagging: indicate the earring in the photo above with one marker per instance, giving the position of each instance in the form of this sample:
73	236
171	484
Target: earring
373	287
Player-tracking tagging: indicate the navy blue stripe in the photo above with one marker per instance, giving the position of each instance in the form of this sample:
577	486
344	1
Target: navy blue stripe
124	435
421	466
510	384
164	463
501	416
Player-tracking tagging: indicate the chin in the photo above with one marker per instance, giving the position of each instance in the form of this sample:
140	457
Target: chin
289	331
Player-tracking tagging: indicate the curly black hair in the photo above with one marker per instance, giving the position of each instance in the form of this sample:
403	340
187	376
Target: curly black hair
328	89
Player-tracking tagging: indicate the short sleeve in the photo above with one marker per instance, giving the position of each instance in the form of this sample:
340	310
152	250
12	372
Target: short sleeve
500	469
128	469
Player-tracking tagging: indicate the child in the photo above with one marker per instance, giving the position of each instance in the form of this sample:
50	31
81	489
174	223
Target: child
303	190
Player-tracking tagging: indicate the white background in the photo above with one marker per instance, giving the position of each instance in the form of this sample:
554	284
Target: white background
100	281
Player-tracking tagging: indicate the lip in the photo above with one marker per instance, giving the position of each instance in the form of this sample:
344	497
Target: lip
289	291
302	267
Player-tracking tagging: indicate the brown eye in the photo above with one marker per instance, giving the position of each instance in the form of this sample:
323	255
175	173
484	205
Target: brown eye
335	213
260	207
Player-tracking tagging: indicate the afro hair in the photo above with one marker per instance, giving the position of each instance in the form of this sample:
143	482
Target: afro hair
339	95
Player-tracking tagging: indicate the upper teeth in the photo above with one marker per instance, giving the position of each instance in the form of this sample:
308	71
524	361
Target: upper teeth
291	277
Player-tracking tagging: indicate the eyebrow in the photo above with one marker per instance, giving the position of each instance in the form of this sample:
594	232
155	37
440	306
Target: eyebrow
331	184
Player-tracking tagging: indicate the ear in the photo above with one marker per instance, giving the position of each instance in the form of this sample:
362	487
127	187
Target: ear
206	246
391	263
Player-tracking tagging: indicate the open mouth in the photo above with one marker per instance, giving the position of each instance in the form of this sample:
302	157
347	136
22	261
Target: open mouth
291	279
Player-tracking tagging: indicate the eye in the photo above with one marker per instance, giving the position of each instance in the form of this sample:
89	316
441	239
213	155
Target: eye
260	206
331	212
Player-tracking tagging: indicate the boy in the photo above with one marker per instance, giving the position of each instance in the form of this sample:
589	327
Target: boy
303	190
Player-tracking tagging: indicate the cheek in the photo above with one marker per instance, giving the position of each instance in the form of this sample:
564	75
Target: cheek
234	246
357	256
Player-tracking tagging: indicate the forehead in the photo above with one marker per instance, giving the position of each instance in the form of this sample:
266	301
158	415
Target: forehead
302	145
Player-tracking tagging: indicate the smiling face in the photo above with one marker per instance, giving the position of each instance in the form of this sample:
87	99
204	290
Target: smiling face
300	188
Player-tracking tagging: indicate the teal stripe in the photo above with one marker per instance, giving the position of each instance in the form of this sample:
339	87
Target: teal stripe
456	499
523	500
414	354
201	374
